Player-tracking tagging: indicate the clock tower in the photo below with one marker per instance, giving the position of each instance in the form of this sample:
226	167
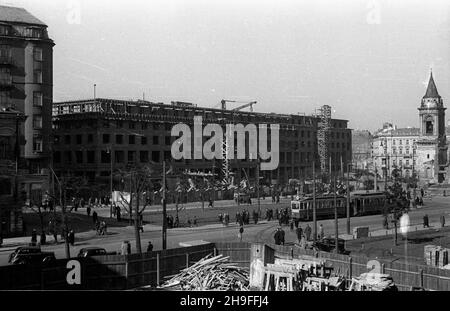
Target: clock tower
431	146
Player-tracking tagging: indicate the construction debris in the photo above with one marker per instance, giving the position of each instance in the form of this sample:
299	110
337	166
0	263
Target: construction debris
210	273
373	282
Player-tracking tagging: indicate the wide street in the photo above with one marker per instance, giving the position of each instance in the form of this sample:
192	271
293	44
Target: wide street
216	232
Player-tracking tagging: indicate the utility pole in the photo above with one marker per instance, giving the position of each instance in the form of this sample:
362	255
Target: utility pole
375	184
348	197
257	186
111	184
336	230
314	204
164	227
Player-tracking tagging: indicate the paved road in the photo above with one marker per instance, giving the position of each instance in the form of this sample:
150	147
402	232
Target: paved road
262	232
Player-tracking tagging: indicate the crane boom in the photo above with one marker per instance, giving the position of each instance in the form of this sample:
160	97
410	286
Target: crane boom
245	106
225	101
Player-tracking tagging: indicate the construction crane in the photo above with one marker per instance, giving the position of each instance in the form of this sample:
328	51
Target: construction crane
323	137
224	102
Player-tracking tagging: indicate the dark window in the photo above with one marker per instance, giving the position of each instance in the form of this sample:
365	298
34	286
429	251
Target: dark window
167	155
106	138
155	156
119	124
143	140
90	138
68	156
155	140
79	156
79	139
131	156
131	139
119	139
105	156
57	157
120	156
168	127
167	140
67	139
143	156
56	139
90	156
105	123
131	125
429	127
155	126
144	125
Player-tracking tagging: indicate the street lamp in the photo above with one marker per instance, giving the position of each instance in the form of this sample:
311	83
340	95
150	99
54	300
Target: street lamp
110	151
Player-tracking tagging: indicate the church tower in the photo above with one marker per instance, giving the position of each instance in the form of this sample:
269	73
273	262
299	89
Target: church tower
432	146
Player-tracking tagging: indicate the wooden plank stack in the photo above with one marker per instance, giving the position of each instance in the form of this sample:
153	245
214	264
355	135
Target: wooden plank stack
210	273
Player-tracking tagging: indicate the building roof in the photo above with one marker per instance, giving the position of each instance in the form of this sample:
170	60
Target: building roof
431	89
18	15
408	131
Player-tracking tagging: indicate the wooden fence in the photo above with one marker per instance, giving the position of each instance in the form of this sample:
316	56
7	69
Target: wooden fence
118	272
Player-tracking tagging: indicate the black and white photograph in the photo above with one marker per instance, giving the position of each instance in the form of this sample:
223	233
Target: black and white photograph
199	147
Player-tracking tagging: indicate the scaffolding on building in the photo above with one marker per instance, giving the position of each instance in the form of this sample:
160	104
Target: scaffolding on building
323	137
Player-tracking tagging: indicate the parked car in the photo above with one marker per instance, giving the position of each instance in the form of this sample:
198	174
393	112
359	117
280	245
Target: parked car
93	251
30	255
328	245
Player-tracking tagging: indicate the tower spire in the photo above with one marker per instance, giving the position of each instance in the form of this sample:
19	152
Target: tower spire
431	89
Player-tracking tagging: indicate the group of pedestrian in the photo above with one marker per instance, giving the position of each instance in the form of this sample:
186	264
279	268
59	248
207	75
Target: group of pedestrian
243	217
224	218
70	236
192	222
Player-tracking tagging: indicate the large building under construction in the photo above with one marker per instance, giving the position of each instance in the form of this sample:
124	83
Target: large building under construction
93	137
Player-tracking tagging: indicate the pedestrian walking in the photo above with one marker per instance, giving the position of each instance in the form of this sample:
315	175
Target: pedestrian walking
88	210
94	217
43	238
241	232
308	232
33	237
118	215
321	232
442	221
299	232
149	247
277	237
425	221
282	235
72	237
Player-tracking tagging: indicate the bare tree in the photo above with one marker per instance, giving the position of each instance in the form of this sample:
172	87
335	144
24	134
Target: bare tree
138	180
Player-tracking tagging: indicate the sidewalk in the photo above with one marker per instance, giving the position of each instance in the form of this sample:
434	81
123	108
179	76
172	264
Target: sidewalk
391	231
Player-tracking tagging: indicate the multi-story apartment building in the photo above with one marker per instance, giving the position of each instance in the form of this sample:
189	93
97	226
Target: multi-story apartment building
87	132
26	79
26	82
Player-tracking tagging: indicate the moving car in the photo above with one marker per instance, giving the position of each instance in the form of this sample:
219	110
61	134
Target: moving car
93	251
30	255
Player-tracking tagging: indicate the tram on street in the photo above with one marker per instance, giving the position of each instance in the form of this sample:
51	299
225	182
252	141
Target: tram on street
361	203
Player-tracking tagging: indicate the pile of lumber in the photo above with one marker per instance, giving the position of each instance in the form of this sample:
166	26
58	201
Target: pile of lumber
210	273
376	281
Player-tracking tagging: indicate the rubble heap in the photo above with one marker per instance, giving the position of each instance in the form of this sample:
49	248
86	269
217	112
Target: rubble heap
210	273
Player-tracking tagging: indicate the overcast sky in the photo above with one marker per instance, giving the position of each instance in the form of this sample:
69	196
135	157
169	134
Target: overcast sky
370	60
